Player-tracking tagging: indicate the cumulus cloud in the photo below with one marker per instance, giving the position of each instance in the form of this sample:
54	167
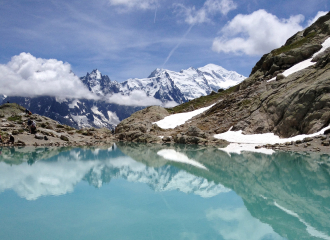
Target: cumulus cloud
135	4
256	33
237	223
136	98
28	76
209	9
318	15
170	104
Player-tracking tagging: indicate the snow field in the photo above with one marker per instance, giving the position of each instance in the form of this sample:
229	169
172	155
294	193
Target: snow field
264	138
178	119
304	64
241	142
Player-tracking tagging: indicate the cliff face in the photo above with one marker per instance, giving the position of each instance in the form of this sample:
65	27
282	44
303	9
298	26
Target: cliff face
274	98
291	105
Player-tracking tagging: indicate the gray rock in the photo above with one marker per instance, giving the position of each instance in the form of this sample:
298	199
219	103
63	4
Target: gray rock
280	77
37	136
21	142
166	139
195	132
15	132
308	139
326	143
323	137
64	138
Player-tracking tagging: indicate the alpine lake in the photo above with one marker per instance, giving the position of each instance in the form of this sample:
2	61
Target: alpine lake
140	191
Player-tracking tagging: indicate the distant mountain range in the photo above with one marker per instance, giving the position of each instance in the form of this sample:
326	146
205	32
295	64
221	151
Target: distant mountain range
167	85
164	85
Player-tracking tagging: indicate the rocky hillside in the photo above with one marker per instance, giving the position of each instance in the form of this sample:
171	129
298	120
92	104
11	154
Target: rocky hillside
287	93
13	120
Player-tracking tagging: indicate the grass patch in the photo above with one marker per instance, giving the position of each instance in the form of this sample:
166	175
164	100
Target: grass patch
202	101
244	103
68	128
294	45
15	118
60	126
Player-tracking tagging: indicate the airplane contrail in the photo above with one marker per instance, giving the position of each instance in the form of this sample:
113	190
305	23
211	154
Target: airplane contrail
179	43
155	15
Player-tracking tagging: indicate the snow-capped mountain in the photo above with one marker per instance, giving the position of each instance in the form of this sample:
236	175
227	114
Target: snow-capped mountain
99	84
167	85
164	85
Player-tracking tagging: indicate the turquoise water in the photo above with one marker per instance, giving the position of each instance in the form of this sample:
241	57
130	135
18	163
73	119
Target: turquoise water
136	191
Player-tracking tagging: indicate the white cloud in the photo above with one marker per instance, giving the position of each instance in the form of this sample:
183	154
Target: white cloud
137	4
170	104
256	33
28	76
136	98
318	15
209	9
223	6
237	223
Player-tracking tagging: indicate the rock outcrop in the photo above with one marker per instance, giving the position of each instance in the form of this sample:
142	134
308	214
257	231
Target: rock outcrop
13	120
139	128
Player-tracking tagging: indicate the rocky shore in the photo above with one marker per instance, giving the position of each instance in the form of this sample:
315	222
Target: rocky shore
320	143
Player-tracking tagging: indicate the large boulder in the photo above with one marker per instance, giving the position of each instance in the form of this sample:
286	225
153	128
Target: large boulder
142	120
196	132
38	136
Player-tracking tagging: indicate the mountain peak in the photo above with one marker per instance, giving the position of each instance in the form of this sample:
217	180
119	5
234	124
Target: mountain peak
212	67
156	72
96	74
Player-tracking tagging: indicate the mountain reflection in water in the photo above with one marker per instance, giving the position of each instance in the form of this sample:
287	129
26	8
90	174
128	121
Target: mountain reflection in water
285	195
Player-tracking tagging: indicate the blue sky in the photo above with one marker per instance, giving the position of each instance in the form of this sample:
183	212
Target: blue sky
130	38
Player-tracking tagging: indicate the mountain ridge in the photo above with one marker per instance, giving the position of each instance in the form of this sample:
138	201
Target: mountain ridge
167	85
